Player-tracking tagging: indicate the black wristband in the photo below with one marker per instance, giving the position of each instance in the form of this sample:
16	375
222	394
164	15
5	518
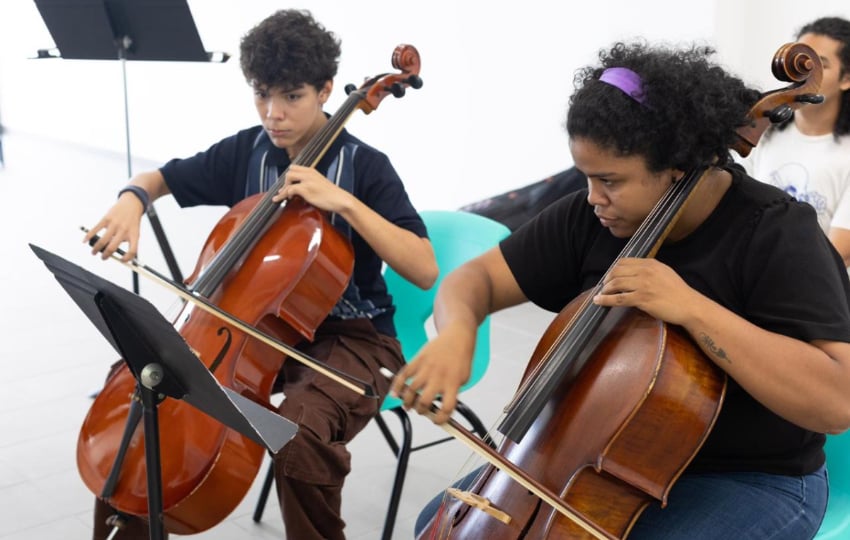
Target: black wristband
139	192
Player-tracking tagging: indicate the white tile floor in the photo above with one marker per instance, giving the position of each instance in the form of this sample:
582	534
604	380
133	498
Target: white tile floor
53	358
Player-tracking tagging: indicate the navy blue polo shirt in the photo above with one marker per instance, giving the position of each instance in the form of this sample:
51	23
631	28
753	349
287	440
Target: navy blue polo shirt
220	176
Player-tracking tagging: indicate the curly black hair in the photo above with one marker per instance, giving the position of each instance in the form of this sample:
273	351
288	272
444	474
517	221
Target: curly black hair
838	29
689	115
287	49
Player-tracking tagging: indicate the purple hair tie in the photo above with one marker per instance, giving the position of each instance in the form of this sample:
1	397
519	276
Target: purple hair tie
626	80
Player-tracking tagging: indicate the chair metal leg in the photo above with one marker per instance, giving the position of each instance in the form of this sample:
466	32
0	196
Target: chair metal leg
264	494
387	434
403	456
402	453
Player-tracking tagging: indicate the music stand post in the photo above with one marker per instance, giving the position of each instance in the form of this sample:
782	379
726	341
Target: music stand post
159	30
149	375
164	367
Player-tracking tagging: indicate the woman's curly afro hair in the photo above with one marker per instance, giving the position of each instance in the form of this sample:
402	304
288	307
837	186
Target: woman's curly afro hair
287	49
689	115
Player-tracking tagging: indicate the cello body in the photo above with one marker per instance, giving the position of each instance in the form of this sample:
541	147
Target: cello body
286	285
611	440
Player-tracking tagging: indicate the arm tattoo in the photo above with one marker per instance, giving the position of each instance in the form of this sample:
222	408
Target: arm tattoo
712	347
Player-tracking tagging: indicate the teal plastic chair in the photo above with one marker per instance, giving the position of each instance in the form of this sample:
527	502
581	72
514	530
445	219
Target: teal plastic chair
836	522
457	237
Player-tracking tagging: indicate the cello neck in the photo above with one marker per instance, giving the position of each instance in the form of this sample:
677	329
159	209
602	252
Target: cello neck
564	357
266	209
405	58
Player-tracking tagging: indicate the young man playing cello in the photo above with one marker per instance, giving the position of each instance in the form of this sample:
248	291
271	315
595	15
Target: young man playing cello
290	61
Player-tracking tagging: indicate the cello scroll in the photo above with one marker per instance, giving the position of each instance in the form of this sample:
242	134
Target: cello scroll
793	62
374	90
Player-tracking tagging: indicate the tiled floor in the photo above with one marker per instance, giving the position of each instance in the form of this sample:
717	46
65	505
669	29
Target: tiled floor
53	359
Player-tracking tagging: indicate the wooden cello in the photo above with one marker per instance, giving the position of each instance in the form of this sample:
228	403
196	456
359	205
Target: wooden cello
280	268
614	404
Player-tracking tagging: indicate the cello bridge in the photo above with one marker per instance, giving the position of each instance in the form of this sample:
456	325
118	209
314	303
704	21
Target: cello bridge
477	501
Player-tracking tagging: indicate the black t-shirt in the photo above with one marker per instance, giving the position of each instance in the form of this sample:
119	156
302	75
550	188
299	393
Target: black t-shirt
760	254
219	176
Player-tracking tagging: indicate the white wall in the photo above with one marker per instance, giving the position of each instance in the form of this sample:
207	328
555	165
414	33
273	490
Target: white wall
748	33
489	117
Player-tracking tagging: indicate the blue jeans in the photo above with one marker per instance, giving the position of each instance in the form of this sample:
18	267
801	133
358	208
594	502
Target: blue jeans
751	506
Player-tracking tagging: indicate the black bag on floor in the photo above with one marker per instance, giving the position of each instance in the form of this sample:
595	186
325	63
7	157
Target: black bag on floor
518	206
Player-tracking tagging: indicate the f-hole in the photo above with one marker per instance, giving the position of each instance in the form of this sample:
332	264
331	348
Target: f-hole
223	350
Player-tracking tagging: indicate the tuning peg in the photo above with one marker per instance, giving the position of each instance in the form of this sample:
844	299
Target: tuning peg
396	89
809	98
780	114
415	81
349	88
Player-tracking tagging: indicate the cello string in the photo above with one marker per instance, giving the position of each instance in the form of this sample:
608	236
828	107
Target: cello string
552	499
443	520
634	244
256	222
460	433
577	332
585	317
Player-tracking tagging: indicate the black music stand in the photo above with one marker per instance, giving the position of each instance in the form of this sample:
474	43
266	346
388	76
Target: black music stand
126	30
163	365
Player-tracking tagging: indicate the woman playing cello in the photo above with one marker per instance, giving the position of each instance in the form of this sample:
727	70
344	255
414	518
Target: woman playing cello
290	61
745	272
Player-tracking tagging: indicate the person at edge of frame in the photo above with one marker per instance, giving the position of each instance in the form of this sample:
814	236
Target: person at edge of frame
808	156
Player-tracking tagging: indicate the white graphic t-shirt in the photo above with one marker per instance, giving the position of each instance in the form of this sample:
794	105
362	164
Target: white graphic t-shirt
813	169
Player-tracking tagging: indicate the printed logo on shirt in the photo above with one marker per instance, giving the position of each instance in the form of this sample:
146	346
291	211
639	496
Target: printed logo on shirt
793	179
